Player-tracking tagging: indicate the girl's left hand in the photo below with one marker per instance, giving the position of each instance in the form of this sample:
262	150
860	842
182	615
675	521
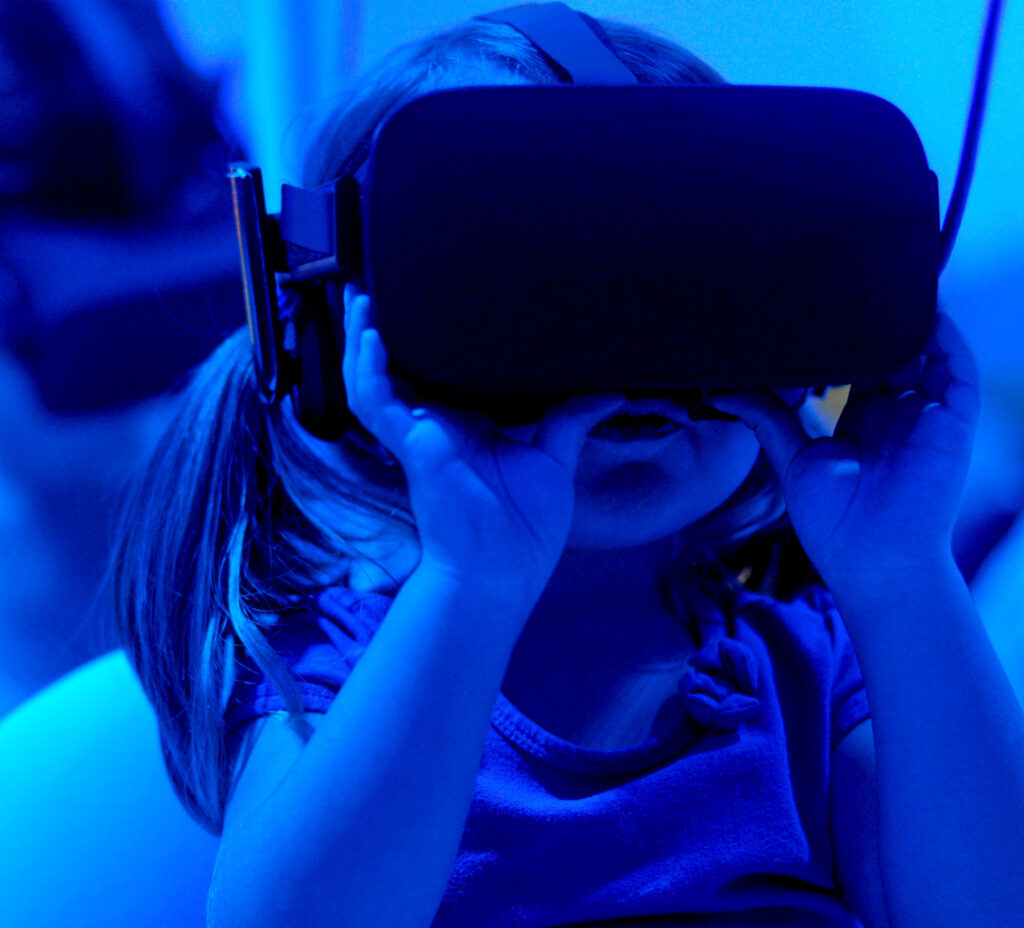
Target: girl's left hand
882	494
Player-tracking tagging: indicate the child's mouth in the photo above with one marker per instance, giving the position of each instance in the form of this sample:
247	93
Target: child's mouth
630	427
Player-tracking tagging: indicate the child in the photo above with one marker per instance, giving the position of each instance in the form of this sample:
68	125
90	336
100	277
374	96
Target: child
445	673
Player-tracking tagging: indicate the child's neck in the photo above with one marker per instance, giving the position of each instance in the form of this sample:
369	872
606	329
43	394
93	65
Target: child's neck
604	608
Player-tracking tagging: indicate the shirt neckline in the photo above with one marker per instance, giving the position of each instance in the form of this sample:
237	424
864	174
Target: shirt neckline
715	692
545	746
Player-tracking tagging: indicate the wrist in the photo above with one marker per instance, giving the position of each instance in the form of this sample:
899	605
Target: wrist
501	592
864	584
880	570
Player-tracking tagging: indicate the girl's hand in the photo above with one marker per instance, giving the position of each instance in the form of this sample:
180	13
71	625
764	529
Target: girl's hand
488	509
880	496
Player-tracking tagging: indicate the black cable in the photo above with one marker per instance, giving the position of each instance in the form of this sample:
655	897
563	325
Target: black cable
958	200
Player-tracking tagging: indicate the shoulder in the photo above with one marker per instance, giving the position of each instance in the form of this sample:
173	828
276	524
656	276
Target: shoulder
809	616
806	636
808	642
807	621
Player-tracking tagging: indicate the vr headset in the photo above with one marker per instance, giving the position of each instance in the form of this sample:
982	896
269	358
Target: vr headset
522	244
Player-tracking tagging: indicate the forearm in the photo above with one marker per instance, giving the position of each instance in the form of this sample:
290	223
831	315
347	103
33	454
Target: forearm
949	744
365	827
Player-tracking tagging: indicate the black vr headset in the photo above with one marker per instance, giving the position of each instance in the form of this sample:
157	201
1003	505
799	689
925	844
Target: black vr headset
522	244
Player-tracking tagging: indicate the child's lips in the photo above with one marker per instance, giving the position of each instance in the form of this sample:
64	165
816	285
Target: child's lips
652	407
630	427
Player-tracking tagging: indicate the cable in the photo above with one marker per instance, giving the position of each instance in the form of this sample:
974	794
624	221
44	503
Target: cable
958	200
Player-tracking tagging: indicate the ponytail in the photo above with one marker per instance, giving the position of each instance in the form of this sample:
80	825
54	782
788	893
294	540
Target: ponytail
223	531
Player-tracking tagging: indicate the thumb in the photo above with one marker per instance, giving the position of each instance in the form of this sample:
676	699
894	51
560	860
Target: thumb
777	426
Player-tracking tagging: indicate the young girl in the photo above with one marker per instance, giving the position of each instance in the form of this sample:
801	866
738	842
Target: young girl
444	673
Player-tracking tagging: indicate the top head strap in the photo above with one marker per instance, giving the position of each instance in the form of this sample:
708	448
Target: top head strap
562	35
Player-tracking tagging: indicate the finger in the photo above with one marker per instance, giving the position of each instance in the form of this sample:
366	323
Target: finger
349	295
906	378
381	399
777	427
373	394
950	375
352	291
889	384
361	319
361	314
562	431
384	413
866	395
350	352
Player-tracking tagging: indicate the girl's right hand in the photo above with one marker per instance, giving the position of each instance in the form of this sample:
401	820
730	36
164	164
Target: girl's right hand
489	510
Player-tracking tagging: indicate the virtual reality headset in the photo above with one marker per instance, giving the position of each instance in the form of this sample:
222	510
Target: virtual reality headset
522	244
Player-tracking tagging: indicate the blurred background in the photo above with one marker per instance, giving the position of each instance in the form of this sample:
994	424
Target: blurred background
118	266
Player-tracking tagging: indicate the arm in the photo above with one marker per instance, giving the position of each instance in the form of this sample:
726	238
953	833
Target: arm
853	812
364	827
874	507
949	749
